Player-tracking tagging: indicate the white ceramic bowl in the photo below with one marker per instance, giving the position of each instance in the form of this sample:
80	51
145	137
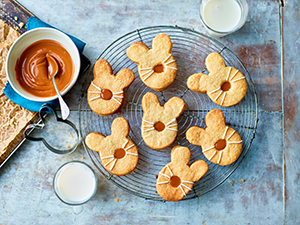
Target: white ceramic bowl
26	40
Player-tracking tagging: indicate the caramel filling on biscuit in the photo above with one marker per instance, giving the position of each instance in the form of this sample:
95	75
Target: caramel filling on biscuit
106	94
175	181
226	86
220	144
119	153
159	126
158	68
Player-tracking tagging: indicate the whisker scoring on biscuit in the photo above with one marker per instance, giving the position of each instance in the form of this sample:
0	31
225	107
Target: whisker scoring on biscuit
208	149
220	157
231	135
238	79
228	73
223	98
96	86
218	95
225	132
234	142
234	75
214	90
212	155
164	175
181	185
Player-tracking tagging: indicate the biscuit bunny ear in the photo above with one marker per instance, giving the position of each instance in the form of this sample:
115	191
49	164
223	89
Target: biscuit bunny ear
102	68
214	62
174	107
194	135
136	51
92	140
181	155
120	127
162	42
215	118
198	82
149	101
124	78
198	168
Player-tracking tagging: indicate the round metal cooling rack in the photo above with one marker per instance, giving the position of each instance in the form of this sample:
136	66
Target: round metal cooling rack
190	49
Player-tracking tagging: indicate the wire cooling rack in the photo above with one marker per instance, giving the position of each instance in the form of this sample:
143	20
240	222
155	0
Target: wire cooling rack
190	49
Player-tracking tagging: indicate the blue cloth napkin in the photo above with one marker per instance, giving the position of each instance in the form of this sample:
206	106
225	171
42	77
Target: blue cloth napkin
14	96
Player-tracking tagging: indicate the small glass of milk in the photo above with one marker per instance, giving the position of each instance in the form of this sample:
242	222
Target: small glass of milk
222	17
75	183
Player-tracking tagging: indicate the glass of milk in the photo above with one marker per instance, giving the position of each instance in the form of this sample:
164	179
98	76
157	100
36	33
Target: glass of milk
222	17
75	183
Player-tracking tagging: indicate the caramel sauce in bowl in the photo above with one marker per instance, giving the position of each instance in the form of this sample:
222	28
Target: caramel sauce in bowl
27	67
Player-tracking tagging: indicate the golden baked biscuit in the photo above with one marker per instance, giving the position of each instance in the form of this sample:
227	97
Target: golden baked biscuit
119	155
220	144
177	178
225	86
159	124
156	66
106	93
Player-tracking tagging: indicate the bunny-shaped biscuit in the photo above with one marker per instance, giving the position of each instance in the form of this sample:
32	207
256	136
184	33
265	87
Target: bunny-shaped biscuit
225	86
106	92
177	178
220	144
156	66
119	155
159	125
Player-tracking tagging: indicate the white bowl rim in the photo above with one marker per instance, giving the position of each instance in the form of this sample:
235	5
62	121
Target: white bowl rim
75	76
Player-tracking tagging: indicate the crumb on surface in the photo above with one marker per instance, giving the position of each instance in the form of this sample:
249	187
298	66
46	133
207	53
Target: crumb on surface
114	195
231	184
21	25
263	104
232	181
237	181
242	180
16	18
83	158
68	146
117	199
230	189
